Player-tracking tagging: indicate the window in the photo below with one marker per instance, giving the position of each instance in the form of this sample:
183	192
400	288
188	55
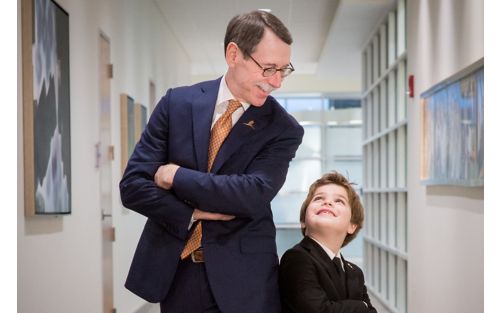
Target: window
332	141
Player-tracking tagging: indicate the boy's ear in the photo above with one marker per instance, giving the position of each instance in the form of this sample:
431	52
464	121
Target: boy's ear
352	228
302	225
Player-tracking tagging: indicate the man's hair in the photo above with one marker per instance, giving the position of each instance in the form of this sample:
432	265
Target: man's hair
246	30
357	211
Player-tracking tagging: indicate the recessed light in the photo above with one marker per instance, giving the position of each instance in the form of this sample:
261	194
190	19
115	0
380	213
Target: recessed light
265	10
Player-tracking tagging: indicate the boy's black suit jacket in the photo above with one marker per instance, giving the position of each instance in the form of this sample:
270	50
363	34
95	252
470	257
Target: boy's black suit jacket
309	283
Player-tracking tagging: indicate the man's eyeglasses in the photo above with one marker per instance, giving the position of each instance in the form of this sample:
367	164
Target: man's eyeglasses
270	71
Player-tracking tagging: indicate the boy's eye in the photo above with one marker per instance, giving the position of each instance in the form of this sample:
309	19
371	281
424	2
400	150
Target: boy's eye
339	201
317	198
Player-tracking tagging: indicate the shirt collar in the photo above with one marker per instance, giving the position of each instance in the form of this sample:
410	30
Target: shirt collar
225	94
328	251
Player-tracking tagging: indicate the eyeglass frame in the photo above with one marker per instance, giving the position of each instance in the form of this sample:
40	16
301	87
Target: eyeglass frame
274	70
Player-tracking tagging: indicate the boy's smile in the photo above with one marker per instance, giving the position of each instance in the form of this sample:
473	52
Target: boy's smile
326	211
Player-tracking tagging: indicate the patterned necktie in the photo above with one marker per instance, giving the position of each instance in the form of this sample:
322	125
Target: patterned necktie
217	136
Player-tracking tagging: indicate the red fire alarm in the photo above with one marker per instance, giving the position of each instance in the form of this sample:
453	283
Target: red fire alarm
411	86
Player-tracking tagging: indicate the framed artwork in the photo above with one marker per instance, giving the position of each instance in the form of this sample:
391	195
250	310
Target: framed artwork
452	124
152	96
127	125
140	120
133	119
46	108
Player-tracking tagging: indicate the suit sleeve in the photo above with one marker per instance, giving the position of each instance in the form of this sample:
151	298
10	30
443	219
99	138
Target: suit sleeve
365	296
242	195
302	292
137	188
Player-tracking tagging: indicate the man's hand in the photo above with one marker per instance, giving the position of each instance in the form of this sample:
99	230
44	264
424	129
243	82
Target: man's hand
164	176
203	215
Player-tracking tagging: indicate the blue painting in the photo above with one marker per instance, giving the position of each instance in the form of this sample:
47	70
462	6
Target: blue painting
453	130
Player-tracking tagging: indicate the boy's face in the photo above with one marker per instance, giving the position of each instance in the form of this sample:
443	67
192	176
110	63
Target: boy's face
329	211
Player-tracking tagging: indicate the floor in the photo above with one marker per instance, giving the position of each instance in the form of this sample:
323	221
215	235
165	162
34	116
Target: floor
155	308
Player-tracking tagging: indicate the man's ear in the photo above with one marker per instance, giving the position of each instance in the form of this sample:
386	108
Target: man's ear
231	54
352	228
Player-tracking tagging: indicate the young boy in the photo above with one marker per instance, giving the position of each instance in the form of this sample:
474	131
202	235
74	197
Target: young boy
313	275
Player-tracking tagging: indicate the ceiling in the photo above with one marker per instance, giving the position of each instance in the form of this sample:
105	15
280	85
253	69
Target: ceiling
328	34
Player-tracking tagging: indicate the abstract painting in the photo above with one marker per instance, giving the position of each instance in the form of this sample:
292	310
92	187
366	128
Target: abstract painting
46	110
452	116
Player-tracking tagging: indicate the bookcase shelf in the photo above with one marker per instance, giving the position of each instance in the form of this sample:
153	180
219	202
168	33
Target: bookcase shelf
385	198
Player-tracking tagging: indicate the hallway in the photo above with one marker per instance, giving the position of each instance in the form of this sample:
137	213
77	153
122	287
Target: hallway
354	61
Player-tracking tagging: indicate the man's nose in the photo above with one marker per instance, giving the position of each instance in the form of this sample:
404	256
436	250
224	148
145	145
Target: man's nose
275	80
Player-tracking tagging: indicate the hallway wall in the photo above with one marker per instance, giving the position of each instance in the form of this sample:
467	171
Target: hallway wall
445	223
59	257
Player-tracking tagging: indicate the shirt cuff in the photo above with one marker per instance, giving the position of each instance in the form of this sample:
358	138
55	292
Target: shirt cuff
191	222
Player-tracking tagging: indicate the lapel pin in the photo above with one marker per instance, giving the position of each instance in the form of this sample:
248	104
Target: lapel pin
349	265
250	124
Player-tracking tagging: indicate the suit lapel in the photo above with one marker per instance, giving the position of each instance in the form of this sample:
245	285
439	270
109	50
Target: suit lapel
202	112
352	282
320	255
251	123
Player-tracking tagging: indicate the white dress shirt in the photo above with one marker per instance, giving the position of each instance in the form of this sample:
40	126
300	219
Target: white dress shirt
222	102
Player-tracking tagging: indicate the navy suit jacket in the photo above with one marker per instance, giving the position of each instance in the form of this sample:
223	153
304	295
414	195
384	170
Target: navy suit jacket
309	283
249	169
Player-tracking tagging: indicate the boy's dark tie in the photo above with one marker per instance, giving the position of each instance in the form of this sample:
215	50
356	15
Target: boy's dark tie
338	267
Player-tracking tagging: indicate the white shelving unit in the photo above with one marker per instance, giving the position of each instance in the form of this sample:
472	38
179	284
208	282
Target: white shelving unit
332	141
385	161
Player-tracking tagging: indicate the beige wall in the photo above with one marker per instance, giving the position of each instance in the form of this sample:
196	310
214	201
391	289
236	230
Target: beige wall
445	223
59	258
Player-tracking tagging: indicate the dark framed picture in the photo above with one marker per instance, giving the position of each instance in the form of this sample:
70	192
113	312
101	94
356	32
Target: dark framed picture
46	108
127	128
141	118
133	119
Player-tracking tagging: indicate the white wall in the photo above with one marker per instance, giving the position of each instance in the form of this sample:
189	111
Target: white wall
445	223
59	258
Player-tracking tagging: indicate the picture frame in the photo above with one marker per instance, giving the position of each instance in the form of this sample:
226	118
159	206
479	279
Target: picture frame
452	129
140	119
127	128
133	119
46	108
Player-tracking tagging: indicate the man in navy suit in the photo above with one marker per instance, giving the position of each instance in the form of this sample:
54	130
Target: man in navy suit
168	179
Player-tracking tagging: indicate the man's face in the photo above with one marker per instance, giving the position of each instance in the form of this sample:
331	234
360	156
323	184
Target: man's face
246	80
329	211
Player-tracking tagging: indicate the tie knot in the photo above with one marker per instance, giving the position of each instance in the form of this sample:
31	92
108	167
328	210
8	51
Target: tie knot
233	106
338	263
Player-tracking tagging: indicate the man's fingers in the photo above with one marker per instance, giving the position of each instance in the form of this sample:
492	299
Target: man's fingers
161	177
227	217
